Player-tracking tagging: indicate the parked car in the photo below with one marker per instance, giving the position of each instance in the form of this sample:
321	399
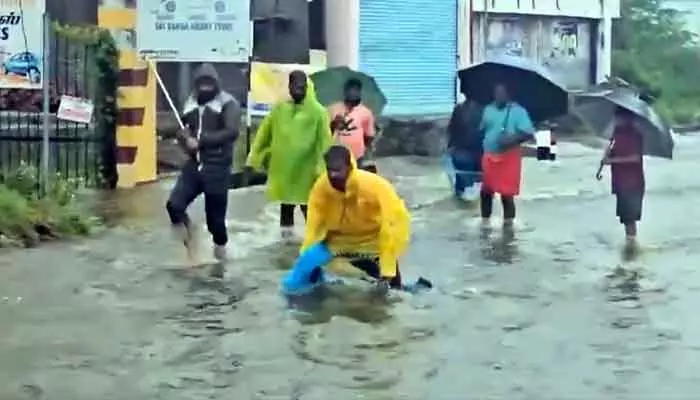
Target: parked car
26	64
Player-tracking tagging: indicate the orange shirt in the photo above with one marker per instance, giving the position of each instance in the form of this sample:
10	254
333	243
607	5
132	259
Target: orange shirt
362	126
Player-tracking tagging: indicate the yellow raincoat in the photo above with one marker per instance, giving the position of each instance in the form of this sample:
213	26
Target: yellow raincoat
368	218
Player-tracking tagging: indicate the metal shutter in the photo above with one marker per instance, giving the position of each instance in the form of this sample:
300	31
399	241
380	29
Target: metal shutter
410	48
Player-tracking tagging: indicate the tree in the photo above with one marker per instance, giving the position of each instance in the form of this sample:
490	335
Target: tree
653	50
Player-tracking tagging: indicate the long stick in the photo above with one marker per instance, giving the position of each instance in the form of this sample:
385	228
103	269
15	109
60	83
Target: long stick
249	91
45	67
173	108
152	65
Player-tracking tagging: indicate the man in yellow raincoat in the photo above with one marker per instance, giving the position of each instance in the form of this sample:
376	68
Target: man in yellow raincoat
357	215
289	146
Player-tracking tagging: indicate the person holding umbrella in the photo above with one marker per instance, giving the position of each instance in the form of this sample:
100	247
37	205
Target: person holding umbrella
354	101
627	119
289	145
624	156
352	123
520	92
505	125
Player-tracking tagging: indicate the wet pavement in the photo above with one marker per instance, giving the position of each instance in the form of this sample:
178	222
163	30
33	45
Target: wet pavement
553	311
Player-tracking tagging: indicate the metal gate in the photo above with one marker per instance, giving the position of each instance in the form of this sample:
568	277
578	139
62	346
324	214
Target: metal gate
410	48
75	149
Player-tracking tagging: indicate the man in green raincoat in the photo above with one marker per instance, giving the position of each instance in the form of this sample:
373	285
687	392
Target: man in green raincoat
289	146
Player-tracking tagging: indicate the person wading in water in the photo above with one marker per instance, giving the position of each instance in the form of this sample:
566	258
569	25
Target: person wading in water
212	119
289	146
624	156
352	123
505	125
357	215
465	146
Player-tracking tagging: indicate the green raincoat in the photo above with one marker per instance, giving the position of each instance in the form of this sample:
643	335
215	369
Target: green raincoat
289	146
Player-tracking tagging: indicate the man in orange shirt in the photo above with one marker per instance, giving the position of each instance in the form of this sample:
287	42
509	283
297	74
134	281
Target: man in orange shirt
352	122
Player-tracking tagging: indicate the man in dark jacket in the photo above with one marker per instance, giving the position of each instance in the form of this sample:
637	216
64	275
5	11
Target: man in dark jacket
465	144
212	118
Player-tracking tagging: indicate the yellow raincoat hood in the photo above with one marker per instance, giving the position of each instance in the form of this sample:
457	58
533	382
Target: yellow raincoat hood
368	218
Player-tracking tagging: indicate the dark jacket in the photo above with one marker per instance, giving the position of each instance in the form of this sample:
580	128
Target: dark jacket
221	121
463	130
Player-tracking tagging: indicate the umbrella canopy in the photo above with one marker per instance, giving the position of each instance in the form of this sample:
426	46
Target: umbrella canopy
530	84
329	87
597	109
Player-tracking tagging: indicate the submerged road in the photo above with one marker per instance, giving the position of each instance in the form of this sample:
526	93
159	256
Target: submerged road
553	311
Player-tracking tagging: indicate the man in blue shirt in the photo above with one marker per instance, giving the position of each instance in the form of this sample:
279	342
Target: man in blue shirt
505	125
464	145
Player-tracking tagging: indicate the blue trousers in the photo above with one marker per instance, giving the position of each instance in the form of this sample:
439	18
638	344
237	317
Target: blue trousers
467	170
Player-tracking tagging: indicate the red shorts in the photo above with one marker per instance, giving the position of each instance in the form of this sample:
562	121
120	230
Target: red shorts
502	171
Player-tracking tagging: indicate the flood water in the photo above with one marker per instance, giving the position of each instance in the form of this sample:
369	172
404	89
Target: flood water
554	311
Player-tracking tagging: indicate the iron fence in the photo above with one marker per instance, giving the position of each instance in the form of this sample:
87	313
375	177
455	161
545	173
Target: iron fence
74	148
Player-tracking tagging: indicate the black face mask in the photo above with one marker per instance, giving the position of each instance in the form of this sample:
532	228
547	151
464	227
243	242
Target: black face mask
297	97
205	96
353	101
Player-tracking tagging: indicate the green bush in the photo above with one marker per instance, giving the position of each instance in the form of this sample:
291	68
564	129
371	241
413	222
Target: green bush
28	216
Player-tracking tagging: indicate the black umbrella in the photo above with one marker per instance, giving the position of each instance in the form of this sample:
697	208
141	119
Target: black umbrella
597	109
530	84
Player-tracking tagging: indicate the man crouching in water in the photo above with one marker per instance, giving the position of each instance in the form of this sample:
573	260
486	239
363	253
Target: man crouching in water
212	118
354	214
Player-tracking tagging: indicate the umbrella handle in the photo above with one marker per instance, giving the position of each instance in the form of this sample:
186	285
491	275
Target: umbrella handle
599	173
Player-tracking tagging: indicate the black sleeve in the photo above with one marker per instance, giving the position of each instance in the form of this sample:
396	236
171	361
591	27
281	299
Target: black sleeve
231	114
452	127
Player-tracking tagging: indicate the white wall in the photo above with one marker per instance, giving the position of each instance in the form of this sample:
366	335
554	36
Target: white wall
342	33
569	8
604	51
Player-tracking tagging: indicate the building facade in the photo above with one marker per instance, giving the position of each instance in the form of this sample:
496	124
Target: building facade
408	46
570	37
414	47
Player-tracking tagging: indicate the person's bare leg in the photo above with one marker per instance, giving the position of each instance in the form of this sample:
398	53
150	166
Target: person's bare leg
631	247
631	233
187	188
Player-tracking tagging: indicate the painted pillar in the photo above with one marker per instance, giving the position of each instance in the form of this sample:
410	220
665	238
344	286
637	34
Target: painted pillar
342	25
464	39
464	32
136	119
604	48
608	9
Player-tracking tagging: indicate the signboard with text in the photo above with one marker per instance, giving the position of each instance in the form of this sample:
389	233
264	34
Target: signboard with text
75	109
194	30
21	44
